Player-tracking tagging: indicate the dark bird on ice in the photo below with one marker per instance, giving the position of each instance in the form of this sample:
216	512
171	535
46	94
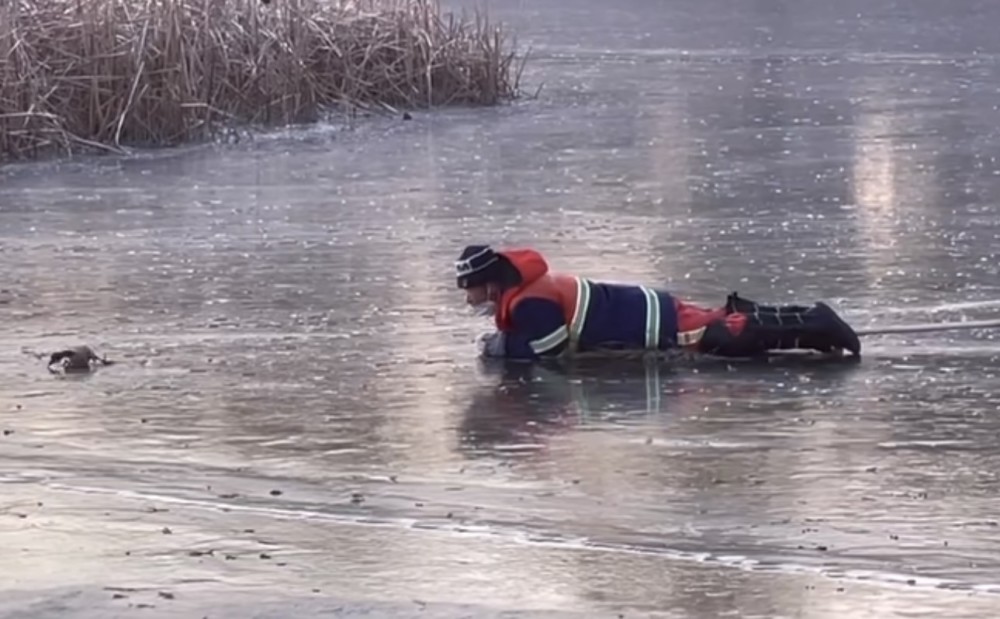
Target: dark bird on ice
76	359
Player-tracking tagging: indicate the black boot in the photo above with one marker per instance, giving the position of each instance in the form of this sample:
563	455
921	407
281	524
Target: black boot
783	327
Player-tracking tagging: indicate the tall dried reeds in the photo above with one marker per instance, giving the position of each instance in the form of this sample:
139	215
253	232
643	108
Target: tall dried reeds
107	73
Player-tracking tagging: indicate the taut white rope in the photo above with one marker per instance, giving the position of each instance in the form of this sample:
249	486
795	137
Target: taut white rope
930	326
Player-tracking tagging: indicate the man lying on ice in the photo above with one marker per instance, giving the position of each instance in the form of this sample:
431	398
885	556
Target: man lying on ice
539	313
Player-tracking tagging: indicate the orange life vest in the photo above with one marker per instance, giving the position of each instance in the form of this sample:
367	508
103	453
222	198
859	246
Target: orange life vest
537	281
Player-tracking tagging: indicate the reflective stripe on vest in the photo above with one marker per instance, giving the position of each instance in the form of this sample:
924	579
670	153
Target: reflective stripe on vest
579	312
550	341
652	318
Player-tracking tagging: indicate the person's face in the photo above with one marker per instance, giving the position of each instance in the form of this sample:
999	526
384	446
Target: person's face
483	299
476	295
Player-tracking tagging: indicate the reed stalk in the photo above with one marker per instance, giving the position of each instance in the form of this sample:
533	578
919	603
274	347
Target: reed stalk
103	74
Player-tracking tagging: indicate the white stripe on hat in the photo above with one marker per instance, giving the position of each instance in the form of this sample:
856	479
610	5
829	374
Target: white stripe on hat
465	267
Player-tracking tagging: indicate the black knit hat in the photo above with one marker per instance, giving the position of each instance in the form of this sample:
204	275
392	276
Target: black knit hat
478	265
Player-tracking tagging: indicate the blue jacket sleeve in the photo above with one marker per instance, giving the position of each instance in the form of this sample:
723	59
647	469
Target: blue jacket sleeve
539	330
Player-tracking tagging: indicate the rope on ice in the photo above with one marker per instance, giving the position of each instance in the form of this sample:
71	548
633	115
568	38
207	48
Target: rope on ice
930	326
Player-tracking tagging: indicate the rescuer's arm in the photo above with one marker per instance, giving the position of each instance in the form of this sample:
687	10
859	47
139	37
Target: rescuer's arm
538	330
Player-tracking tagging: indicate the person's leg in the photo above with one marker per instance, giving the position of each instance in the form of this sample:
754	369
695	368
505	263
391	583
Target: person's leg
750	329
736	303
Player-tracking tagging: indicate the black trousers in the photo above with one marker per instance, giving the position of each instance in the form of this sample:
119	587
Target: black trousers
779	327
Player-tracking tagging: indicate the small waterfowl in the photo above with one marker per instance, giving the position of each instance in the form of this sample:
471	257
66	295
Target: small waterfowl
76	359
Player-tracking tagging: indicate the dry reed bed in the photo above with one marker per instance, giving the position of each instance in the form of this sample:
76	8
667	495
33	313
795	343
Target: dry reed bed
107	73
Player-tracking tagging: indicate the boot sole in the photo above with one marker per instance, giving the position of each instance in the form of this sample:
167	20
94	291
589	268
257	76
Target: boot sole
854	343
